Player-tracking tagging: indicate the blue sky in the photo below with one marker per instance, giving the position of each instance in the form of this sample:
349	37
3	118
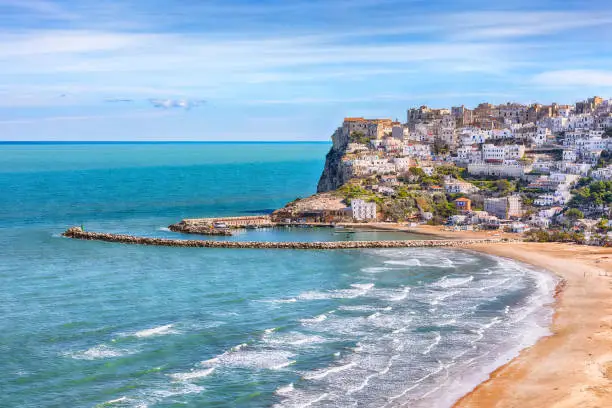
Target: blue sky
282	69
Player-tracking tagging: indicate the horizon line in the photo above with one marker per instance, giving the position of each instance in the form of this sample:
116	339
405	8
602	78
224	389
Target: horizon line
16	142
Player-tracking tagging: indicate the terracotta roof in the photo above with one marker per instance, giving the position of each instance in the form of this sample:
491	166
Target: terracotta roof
463	199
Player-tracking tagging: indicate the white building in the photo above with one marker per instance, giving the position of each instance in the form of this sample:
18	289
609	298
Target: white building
506	169
570	156
504	207
602	174
421	151
559	197
583	121
539	222
362	210
469	154
581	169
402	163
470	136
505	133
499	153
543	134
456	186
371	165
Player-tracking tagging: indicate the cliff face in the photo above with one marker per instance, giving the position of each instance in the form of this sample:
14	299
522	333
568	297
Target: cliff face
335	174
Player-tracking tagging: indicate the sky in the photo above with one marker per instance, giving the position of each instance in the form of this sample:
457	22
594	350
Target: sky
283	69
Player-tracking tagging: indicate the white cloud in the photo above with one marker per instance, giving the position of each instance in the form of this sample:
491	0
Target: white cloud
378	98
486	26
80	118
100	52
574	78
38	7
53	42
212	65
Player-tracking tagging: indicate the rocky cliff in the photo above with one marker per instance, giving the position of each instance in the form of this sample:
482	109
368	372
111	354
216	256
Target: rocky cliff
335	174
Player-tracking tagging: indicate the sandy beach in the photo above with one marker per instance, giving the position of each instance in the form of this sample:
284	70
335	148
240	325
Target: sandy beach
573	366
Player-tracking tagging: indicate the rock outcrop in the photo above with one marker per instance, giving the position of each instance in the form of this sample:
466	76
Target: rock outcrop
201	228
335	174
317	202
78	233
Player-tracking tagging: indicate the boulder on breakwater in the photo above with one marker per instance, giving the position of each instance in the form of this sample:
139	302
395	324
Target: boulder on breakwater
78	233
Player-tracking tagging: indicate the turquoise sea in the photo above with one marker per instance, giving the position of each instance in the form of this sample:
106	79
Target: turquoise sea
90	324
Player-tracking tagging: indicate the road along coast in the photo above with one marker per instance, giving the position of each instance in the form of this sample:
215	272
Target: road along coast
78	233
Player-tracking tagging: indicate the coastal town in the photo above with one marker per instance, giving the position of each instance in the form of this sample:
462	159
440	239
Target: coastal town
544	170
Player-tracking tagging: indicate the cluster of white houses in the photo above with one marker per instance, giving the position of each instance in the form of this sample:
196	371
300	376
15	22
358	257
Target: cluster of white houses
488	140
499	141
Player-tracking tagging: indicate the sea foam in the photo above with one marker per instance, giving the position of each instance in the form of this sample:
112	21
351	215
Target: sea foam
156	331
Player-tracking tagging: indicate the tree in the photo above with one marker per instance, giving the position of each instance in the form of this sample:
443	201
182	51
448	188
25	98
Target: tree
417	171
574	214
440	147
359	137
504	187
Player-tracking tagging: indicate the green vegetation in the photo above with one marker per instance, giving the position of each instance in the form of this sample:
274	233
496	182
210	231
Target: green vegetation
417	172
436	179
574	214
400	209
442	208
501	187
440	147
554	236
597	193
527	201
457	172
604	160
602	226
350	191
359	137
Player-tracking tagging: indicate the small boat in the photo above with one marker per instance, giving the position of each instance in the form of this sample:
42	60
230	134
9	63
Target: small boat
344	231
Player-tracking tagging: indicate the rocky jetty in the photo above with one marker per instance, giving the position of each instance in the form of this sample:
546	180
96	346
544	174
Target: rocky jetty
78	233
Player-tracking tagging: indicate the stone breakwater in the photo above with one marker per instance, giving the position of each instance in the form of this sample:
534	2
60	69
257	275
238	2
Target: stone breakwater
77	233
202	229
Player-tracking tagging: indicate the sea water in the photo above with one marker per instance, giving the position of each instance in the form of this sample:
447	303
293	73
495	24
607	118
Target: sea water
86	324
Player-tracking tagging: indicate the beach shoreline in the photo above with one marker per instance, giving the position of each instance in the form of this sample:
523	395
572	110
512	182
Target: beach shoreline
572	366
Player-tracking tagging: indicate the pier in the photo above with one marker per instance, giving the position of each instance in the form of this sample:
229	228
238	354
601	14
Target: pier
78	233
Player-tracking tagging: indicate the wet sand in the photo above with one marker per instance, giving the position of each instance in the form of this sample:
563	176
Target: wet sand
573	366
